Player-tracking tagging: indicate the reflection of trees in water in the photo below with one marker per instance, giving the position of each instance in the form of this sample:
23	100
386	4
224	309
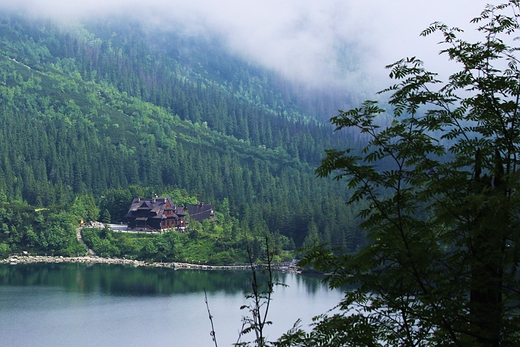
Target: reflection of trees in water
125	280
314	282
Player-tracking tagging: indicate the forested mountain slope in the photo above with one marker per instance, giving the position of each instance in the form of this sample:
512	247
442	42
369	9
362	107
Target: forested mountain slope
90	108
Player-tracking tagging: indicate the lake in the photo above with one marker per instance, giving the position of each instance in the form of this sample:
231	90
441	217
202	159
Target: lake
110	305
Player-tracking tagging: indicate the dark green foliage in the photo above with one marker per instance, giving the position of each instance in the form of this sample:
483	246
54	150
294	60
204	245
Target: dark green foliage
5	250
442	188
84	208
105	217
41	231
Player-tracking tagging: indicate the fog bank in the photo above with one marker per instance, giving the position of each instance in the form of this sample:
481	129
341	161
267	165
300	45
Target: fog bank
333	42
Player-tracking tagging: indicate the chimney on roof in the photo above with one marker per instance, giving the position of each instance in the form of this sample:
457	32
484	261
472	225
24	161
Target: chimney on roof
138	199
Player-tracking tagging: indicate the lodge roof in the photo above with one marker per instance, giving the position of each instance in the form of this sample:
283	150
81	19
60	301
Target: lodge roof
153	208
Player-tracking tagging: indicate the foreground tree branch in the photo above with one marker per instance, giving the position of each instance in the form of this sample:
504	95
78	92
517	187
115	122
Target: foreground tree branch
443	190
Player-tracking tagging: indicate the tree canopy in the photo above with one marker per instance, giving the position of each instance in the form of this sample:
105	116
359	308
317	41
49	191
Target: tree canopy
442	188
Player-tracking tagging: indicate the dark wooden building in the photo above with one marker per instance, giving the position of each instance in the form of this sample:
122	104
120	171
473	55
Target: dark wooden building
200	211
155	214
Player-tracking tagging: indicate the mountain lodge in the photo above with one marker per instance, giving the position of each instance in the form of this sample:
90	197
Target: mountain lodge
155	214
158	214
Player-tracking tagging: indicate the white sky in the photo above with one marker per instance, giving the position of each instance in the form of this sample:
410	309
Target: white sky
299	38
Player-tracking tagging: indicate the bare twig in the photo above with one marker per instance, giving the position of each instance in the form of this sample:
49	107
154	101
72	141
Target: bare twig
259	307
212	333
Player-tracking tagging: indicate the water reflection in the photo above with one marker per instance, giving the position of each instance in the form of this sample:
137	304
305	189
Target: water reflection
137	281
76	305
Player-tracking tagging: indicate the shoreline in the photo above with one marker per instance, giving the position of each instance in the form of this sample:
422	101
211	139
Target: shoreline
31	259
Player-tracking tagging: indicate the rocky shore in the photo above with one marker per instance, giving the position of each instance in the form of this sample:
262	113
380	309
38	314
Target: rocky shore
28	259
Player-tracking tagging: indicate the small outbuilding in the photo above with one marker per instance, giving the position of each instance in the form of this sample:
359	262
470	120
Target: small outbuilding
201	211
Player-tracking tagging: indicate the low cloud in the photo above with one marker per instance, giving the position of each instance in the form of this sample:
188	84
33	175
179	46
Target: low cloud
332	42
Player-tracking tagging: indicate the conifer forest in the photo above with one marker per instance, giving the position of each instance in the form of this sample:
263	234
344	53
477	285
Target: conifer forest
95	114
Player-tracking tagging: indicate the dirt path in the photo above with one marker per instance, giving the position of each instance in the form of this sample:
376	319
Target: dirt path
80	240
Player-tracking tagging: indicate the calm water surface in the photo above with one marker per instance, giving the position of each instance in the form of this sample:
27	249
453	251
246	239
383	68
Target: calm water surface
99	305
